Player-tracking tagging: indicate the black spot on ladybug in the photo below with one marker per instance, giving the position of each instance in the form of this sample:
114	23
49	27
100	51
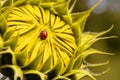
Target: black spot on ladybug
43	34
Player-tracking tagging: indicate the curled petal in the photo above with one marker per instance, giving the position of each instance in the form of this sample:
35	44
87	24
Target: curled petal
12	71
34	75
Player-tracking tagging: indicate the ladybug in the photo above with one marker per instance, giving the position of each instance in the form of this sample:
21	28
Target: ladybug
43	34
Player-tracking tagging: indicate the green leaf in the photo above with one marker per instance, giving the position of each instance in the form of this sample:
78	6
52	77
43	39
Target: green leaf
12	42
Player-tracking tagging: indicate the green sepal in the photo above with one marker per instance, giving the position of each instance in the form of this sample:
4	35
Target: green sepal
67	18
21	57
61	78
34	64
93	51
7	3
33	2
70	65
92	65
1	43
86	64
12	42
6	9
72	6
14	3
46	1
79	20
7	34
62	8
20	2
7	57
34	75
56	1
81	58
88	39
47	5
59	1
52	10
77	61
80	73
3	24
3	9
72	72
57	70
98	73
12	71
47	65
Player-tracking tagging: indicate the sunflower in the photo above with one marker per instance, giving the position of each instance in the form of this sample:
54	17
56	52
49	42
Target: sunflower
44	40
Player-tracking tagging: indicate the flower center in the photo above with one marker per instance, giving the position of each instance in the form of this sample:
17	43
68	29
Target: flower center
41	33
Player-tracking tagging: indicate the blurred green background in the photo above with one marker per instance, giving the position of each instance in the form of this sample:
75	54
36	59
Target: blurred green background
102	18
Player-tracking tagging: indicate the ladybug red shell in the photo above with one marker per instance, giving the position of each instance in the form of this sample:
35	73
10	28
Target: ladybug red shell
43	34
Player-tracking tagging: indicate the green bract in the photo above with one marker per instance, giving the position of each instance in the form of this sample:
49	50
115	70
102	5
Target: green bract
26	55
